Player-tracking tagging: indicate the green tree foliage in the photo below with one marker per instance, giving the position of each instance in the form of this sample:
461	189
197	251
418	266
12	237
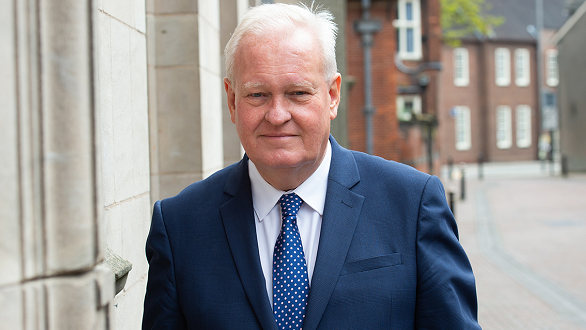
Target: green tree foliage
465	17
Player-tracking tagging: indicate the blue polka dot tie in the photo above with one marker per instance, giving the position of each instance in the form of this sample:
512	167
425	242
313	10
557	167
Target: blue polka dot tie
290	283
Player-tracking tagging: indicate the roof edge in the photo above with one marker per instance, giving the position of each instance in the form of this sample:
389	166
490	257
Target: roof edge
557	38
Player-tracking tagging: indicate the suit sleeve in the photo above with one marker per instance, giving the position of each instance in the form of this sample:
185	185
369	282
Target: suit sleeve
161	306
446	292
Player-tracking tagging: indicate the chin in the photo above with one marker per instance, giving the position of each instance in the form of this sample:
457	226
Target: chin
280	161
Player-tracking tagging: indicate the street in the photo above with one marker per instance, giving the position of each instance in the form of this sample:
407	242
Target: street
523	230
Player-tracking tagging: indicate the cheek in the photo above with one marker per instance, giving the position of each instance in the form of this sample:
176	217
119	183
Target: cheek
246	119
317	125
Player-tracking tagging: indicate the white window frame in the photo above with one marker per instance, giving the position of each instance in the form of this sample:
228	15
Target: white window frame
503	127
461	67
523	121
402	24
407	116
552	68
502	66
522	72
462	126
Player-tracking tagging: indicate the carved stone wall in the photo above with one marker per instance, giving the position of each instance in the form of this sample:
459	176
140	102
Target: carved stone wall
185	93
121	85
50	206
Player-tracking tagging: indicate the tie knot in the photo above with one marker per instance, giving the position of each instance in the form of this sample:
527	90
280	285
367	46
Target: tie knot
290	204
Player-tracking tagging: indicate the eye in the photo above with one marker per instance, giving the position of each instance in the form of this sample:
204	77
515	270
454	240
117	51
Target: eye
256	94
300	93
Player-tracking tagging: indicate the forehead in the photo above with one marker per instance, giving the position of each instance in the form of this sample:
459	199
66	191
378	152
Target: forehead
277	53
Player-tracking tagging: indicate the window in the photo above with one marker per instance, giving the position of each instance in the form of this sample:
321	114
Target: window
461	74
502	61
462	128
503	127
522	67
408	27
550	99
407	106
523	126
551	63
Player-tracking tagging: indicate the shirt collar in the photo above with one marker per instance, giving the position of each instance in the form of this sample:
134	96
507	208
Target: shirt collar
312	191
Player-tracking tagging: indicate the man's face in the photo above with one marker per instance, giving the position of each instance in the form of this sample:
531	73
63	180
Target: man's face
281	102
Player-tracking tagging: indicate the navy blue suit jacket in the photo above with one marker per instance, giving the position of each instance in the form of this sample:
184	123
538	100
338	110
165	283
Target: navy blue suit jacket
388	256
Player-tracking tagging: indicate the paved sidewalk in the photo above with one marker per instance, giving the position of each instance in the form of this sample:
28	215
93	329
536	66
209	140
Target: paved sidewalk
525	237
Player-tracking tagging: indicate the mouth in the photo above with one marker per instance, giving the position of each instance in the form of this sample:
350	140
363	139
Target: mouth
278	138
278	135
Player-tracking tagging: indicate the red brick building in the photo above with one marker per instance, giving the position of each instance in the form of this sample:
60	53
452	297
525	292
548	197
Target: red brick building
404	110
489	88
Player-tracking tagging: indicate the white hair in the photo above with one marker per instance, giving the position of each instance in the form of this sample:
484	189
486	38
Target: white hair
261	20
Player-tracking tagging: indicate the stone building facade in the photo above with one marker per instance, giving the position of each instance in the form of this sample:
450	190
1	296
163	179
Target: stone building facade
571	42
98	124
52	202
122	106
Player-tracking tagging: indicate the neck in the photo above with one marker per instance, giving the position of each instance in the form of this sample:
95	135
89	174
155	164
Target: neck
286	179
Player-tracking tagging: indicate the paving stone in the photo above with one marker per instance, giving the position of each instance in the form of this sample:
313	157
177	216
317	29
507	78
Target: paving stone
532	276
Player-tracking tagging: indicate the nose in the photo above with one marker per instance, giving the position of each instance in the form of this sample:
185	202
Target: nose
279	111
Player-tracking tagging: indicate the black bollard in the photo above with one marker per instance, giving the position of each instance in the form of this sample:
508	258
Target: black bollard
463	185
480	165
565	165
551	160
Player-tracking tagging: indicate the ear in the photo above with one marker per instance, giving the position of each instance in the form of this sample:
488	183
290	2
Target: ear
231	97
335	87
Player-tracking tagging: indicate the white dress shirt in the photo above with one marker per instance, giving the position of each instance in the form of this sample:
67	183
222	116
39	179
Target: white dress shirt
267	212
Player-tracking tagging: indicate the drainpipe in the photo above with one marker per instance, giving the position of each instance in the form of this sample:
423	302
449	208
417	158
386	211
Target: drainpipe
535	32
367	27
420	82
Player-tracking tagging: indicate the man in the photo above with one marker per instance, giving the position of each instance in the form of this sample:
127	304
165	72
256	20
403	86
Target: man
301	232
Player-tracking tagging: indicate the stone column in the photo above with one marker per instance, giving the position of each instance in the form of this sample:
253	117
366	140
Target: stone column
232	11
185	93
50	202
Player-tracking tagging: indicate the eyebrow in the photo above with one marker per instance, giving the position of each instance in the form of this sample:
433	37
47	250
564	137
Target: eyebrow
304	84
251	85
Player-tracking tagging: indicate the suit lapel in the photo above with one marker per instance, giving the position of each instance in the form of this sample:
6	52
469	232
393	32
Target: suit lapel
341	213
238	217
